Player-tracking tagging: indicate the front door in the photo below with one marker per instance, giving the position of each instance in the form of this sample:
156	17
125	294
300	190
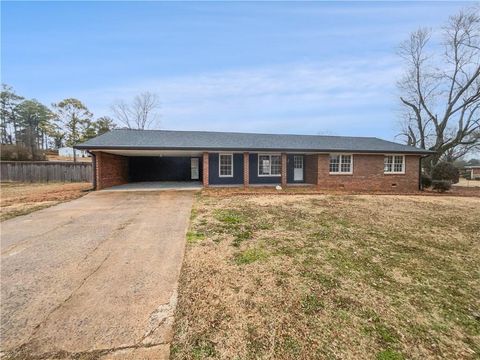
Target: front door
297	168
194	168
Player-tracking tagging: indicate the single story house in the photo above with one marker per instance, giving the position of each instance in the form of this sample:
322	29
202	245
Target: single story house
474	171
246	159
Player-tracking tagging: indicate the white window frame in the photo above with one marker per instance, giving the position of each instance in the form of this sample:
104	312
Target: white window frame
220	164
393	164
340	172
270	165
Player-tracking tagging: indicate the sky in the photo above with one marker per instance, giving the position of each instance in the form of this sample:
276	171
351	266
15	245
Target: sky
278	67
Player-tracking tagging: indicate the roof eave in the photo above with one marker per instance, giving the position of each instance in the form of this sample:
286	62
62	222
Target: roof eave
100	148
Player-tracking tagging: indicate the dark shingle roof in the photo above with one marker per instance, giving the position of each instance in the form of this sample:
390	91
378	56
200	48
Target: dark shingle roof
207	140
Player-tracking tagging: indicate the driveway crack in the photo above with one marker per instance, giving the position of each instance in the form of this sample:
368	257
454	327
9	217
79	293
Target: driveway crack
161	315
85	279
23	353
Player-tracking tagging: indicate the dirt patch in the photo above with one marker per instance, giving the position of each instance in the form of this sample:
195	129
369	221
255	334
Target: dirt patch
23	198
320	276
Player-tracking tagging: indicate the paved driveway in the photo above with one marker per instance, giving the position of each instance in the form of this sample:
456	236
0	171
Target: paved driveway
95	277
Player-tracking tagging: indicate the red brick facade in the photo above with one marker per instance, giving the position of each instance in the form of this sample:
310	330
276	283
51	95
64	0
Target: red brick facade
475	173
110	170
205	169
368	174
246	169
311	169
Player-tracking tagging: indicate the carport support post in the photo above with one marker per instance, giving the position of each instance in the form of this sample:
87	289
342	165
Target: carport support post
284	170
246	169
205	169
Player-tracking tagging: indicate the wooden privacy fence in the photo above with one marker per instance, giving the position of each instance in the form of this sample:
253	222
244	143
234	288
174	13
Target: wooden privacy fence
45	171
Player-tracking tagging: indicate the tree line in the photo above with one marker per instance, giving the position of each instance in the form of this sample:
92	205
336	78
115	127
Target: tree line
35	127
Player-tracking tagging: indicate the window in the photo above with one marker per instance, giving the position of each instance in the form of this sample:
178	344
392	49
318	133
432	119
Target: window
298	162
269	165
341	164
225	165
394	164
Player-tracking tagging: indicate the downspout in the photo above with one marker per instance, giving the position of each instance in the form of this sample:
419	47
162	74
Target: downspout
94	169
420	185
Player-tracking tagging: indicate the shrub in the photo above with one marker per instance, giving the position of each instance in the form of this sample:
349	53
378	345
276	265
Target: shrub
441	185
426	181
446	171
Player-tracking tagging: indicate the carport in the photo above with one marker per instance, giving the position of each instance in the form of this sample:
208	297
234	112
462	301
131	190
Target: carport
164	168
119	167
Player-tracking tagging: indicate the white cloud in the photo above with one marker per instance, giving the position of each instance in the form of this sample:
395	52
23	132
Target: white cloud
300	97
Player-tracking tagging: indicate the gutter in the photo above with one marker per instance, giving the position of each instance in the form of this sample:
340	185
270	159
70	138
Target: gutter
100	148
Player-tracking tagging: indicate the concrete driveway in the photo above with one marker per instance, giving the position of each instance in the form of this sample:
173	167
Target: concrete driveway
93	278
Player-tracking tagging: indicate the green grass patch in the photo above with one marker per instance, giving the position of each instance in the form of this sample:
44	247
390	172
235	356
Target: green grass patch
229	216
194	237
250	255
311	304
241	235
389	355
203	349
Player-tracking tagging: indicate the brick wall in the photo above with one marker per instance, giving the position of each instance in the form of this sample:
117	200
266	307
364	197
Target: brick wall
311	169
475	173
368	175
205	169
246	169
111	170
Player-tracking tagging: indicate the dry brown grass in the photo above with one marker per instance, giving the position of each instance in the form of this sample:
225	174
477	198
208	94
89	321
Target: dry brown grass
335	277
22	198
457	190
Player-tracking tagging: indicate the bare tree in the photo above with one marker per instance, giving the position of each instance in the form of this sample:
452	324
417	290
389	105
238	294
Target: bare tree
140	113
441	93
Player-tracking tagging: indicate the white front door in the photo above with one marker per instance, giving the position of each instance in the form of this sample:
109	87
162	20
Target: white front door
297	168
194	168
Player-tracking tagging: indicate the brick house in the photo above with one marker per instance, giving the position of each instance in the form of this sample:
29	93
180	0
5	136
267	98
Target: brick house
474	171
244	159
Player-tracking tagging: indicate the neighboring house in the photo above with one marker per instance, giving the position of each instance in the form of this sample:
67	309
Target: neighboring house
243	159
474	171
68	152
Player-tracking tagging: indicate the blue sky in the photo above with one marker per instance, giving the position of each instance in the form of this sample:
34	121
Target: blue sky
282	67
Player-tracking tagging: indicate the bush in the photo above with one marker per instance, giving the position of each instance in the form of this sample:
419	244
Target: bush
20	153
426	181
441	185
446	171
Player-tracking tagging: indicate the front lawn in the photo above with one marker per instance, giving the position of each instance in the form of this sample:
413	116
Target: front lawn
23	198
330	277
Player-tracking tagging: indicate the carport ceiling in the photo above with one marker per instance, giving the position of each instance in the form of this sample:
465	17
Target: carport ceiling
187	153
